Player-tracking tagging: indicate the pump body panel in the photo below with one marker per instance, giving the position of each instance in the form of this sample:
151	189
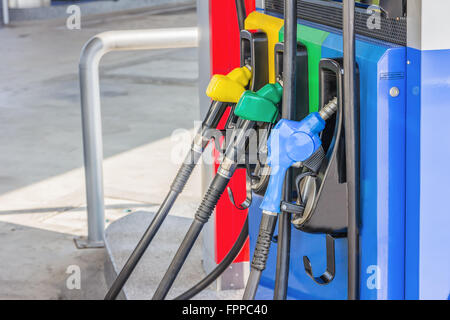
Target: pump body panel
382	66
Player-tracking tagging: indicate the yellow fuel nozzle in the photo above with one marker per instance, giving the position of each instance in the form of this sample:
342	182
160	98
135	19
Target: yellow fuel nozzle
230	87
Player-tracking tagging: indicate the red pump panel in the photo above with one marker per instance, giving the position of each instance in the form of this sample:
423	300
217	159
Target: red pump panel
225	56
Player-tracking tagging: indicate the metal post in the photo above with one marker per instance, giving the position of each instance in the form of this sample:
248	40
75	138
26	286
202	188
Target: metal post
91	55
351	122
5	12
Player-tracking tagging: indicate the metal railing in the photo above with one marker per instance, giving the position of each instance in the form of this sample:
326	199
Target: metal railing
91	55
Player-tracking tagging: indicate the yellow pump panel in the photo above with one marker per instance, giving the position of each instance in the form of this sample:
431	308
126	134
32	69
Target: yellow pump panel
271	26
229	88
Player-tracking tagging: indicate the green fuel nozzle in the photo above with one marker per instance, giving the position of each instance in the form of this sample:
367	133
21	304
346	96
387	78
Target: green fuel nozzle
260	106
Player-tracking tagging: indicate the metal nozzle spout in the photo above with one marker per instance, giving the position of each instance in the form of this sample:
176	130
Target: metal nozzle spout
329	109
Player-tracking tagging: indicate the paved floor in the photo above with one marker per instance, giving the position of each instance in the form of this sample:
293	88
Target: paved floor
122	236
146	96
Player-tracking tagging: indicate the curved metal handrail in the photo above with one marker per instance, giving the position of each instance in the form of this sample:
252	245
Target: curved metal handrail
91	55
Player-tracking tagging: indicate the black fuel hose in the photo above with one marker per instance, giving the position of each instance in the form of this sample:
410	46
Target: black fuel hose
179	182
242	238
241	13
288	111
261	254
220	268
233	154
200	142
212	196
211	121
352	144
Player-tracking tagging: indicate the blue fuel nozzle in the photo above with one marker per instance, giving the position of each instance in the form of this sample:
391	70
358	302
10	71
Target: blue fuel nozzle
291	142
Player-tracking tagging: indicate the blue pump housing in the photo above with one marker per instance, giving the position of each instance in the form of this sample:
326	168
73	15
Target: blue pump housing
382	66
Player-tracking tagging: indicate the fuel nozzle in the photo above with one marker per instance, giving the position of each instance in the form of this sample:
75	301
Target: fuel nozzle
253	107
223	90
260	106
329	109
230	87
291	142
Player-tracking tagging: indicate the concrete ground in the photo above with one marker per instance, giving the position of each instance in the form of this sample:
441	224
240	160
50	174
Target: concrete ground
121	237
145	97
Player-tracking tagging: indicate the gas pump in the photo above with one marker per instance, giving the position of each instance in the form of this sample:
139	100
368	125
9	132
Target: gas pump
224	90
323	261
330	213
